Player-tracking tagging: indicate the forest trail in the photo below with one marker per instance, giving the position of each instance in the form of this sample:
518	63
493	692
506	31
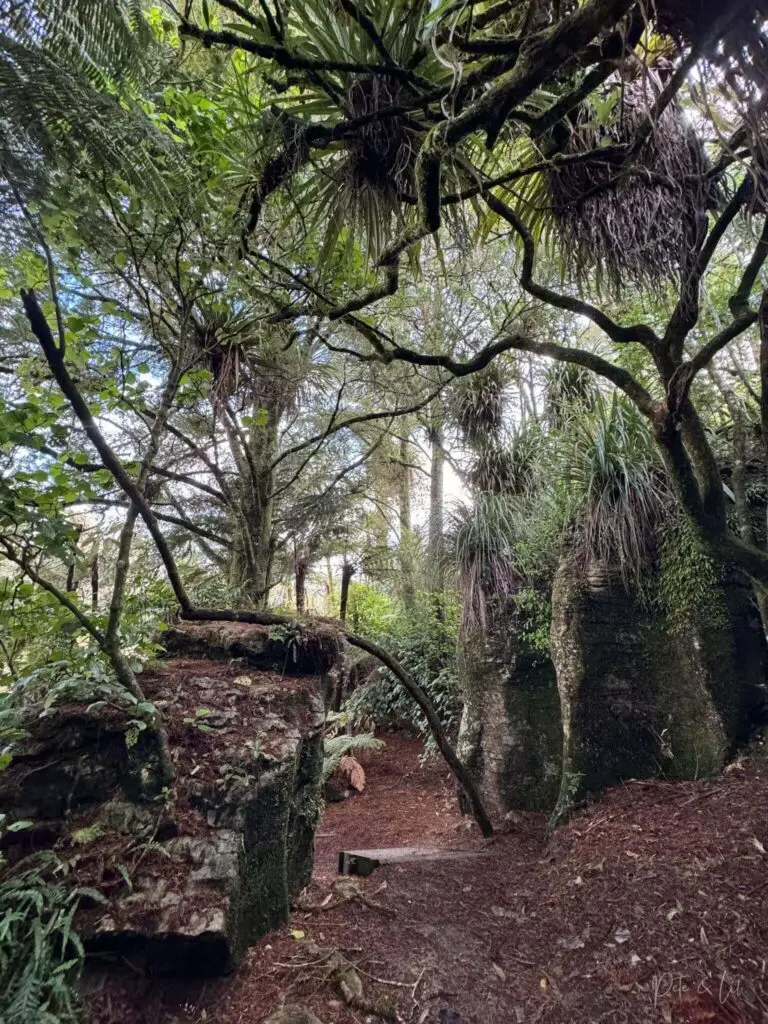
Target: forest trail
649	908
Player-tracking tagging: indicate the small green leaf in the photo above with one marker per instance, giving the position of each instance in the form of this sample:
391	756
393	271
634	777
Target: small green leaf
19	826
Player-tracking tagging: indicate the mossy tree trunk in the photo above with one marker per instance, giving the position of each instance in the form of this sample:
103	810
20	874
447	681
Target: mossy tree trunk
347	572
254	451
406	525
436	498
300	575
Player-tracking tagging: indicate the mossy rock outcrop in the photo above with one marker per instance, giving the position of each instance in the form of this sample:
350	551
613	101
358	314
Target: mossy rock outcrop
623	695
638	700
510	736
194	873
302	648
75	757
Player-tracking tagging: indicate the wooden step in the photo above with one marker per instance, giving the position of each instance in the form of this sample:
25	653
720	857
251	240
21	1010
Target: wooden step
364	862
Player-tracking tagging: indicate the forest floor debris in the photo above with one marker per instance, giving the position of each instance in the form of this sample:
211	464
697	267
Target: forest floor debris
648	908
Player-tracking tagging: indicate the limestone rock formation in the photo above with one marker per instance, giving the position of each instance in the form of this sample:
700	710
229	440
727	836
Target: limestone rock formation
195	873
510	735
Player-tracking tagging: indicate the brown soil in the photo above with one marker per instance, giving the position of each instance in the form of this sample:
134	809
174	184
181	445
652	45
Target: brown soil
649	907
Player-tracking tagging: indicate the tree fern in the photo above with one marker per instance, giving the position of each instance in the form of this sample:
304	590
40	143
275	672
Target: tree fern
70	71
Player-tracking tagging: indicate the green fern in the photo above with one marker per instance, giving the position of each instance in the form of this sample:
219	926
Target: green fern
40	954
70	72
337	747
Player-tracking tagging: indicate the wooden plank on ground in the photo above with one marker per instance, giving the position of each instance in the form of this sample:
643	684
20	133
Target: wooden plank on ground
364	862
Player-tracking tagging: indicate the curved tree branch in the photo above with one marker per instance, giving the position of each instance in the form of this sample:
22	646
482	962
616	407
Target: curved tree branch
640	333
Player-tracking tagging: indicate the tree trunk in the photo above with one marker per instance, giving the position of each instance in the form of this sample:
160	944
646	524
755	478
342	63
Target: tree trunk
436	486
254	452
331	590
347	572
406	534
301	585
95	582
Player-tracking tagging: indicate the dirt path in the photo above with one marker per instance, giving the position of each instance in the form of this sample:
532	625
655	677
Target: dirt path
649	907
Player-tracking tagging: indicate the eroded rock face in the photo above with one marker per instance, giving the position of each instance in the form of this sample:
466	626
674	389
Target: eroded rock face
510	736
194	874
639	701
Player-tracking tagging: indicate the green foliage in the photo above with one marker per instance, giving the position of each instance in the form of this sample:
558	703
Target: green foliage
686	587
83	836
40	953
69	71
600	493
83	677
425	641
609	462
535	611
198	720
336	747
484	554
370	611
147	607
567	387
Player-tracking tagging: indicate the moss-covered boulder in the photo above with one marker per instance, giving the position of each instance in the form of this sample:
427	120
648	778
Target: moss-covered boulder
194	873
639	699
510	736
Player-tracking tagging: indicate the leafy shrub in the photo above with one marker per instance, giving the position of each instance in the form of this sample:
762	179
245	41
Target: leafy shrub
535	610
33	627
370	611
424	640
337	747
85	676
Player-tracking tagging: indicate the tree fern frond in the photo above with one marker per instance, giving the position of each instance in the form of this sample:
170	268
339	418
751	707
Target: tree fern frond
107	40
68	77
